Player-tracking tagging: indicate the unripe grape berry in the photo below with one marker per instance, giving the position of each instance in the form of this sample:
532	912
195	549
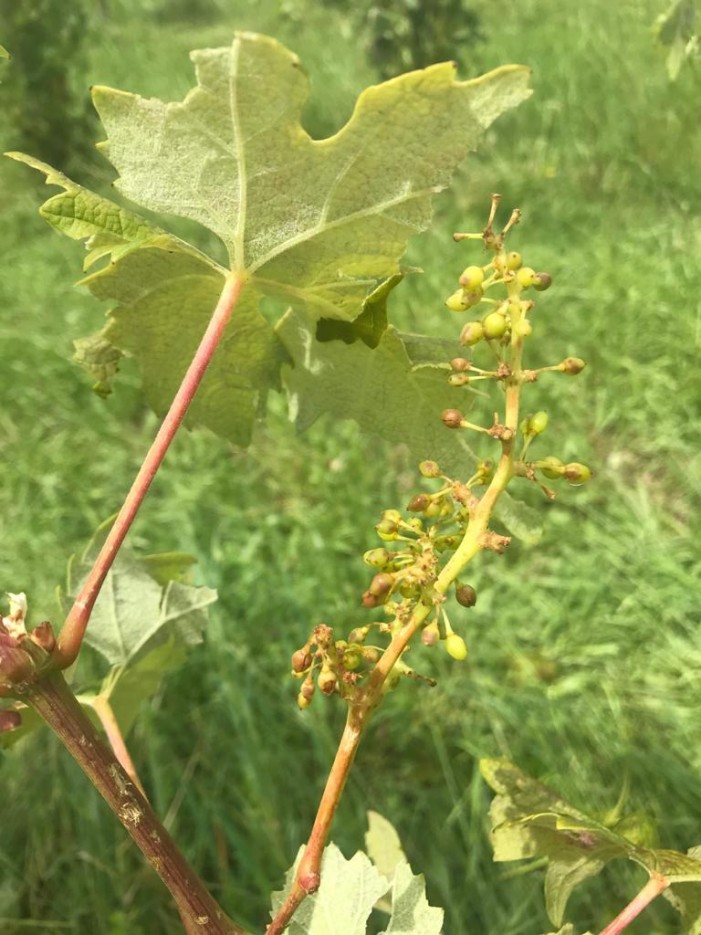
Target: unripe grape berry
472	277
513	260
429	469
552	467
526	277
459	364
387	530
434	509
352	658
466	595
358	635
301	660
471	334
303	702
577	474
459	379
456	302
472	296
327	681
524	328
381	584
371	655
538	422
455	646
452	418
418	503
416	524
308	688
393	515
543	282
494	325
573	365
377	558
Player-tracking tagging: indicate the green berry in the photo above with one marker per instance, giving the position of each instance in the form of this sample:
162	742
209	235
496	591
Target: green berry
573	365
524	329
352	659
381	585
552	467
452	418
301	660
393	515
418	503
429	469
471	334
303	702
494	325
472	297
456	302
327	681
472	278
377	558
455	647
387	530
466	595
430	634
538	422
526	277
543	282
513	260
459	379
577	474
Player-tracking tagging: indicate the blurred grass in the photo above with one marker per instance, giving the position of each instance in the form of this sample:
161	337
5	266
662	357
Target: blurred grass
585	651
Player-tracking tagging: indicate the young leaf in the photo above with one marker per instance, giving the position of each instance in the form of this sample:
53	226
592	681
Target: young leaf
411	913
530	820
135	608
348	891
315	224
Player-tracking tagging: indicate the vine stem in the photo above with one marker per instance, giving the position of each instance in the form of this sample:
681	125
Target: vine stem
652	889
308	876
73	630
54	701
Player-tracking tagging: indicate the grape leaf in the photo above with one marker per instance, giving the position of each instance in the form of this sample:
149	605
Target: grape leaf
411	913
348	891
314	224
385	851
343	902
530	820
135	608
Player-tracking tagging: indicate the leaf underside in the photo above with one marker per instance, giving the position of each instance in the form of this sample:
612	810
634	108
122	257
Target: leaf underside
313	225
529	819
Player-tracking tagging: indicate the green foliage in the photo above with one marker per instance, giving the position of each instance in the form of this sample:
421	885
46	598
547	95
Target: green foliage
314	224
350	888
529	820
45	103
676	30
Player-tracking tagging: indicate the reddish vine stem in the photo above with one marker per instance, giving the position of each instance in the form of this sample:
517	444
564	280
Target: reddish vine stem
652	889
71	635
103	709
55	703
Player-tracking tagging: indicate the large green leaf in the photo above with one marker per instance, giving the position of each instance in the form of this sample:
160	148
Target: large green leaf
314	224
349	890
531	820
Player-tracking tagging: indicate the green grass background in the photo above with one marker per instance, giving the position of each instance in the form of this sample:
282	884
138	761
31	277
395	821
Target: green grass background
585	663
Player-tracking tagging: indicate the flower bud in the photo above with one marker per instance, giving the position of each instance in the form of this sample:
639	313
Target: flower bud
430	634
459	379
459	364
